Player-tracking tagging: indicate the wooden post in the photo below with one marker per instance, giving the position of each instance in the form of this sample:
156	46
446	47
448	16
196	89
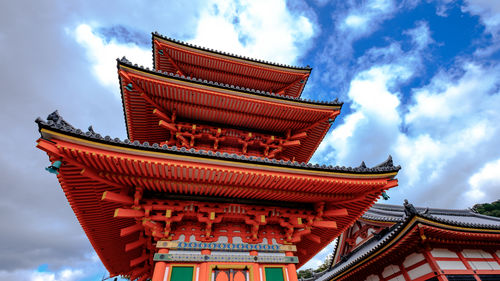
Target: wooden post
160	266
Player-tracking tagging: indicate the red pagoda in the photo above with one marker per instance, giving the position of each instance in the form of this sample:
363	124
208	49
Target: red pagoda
213	182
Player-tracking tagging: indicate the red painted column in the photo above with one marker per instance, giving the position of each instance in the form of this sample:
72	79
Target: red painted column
467	265
405	273
256	272
160	266
432	262
292	270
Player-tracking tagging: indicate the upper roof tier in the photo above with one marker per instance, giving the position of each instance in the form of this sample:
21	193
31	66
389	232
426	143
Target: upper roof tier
148	94
189	60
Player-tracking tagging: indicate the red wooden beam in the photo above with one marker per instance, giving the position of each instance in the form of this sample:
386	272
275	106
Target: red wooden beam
130	229
313	237
291	143
117	198
169	126
298	136
161	115
138	260
135	244
128	213
325	224
336	212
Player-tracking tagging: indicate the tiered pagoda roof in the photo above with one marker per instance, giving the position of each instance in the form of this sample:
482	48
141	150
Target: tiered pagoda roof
94	164
174	56
215	140
405	233
213	105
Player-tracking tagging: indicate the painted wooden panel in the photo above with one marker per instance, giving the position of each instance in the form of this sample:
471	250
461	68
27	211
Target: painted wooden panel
182	273
274	274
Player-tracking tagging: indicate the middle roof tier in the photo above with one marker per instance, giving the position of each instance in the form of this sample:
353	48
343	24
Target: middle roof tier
170	109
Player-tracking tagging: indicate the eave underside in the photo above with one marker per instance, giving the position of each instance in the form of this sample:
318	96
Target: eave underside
187	61
219	108
89	169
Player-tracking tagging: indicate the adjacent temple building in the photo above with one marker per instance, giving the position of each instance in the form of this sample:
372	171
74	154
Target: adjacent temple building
213	182
402	243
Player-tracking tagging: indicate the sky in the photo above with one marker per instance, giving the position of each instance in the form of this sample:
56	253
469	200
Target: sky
420	80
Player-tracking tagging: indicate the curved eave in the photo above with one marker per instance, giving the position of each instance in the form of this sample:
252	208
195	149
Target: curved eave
407	235
219	66
223	160
231	108
233	89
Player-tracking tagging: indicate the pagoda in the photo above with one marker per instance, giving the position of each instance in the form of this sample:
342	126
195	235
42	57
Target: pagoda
213	182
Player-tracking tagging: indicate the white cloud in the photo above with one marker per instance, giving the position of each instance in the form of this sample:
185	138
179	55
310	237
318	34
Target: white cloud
363	19
260	29
489	12
485	183
447	130
30	275
103	54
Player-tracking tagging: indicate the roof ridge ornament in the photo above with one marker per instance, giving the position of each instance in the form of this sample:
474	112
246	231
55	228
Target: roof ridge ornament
386	163
56	119
409	210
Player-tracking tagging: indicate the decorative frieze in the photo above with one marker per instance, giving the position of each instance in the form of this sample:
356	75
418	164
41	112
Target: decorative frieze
225	246
224	258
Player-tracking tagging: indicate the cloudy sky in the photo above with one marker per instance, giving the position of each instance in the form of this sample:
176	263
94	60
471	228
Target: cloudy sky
420	81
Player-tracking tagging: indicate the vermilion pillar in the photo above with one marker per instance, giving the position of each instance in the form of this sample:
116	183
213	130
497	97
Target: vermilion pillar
160	266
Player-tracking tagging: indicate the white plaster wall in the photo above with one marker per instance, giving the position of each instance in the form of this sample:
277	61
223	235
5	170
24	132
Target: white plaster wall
443	253
398	278
484	265
222	239
413	259
451	265
372	277
389	270
476	253
420	271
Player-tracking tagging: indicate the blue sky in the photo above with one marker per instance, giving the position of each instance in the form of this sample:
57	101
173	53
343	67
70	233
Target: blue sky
419	81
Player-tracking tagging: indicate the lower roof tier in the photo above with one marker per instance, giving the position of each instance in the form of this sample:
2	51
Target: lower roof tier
92	165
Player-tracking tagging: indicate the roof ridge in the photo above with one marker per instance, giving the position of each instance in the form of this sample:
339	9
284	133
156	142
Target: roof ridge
228	54
125	61
66	127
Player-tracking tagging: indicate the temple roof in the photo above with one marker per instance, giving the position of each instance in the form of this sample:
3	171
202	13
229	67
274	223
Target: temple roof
204	102
451	220
466	217
93	164
57	123
189	60
233	87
